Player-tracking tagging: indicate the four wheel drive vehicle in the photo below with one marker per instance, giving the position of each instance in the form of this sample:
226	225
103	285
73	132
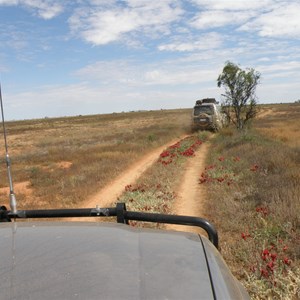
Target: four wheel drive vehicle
207	115
99	260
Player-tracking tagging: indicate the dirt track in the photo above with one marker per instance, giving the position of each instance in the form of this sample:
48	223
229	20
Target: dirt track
108	195
190	195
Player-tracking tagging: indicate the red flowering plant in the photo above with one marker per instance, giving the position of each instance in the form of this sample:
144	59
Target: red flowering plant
222	172
226	170
184	148
254	168
270	262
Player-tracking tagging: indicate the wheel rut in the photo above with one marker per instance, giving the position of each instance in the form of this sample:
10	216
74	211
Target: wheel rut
190	194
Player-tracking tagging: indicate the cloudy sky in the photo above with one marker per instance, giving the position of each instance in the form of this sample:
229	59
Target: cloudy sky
72	57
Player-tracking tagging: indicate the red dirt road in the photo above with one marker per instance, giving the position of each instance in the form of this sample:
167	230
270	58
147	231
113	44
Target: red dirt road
109	194
190	194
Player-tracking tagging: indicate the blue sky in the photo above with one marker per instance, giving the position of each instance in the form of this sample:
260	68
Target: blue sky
63	58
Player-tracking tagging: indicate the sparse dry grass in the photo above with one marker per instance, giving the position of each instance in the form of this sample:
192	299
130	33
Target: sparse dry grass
95	149
281	123
257	214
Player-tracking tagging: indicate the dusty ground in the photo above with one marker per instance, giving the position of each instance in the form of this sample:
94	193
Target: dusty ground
264	113
108	195
190	194
20	187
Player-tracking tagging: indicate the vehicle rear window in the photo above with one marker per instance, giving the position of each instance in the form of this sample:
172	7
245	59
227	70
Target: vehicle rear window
203	109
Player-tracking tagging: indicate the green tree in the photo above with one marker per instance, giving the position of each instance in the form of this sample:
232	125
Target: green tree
239	101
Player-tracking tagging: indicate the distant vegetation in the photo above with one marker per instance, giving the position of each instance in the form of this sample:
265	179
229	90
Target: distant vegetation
239	100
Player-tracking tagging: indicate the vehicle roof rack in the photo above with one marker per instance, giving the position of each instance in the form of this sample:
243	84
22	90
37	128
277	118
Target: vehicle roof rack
120	212
207	100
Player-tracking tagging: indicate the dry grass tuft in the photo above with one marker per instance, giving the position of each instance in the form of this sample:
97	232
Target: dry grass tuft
282	124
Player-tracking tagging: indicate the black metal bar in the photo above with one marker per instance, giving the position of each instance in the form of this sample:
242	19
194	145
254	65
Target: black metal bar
176	219
63	213
4	214
119	211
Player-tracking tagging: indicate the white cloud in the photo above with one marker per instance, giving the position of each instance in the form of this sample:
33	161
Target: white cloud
77	99
42	8
218	18
233	5
269	18
283	66
285	92
110	73
132	74
219	13
204	42
264	59
103	24
179	76
58	100
108	26
9	2
282	21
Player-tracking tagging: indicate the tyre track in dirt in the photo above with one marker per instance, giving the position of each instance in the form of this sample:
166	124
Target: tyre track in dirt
190	194
108	195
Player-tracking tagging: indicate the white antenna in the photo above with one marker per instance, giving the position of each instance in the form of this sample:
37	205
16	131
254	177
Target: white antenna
12	197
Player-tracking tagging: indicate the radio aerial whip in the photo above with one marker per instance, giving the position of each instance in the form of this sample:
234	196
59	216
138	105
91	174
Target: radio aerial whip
12	197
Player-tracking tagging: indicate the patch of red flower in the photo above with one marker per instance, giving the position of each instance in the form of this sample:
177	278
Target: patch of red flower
185	147
210	167
286	261
196	144
263	210
264	273
188	152
165	154
204	178
139	188
226	178
167	162
273	256
128	188
265	254
245	235
254	168
272	259
269	259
